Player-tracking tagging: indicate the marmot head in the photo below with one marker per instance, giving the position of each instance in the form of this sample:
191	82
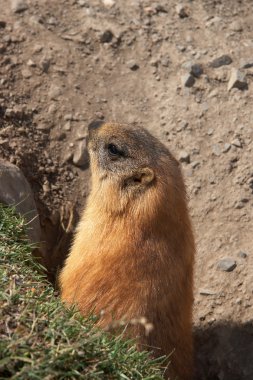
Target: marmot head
128	163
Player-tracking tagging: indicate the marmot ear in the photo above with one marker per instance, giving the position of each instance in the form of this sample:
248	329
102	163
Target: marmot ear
144	176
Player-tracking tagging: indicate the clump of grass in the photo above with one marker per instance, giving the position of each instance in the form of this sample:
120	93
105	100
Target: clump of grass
40	338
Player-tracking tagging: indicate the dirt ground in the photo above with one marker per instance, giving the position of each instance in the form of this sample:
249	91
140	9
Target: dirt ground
65	63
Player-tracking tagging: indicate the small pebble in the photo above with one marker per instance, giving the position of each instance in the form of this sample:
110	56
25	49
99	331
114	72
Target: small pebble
242	255
216	150
221	61
182	11
187	80
81	156
226	264
246	64
207	292
18	6
106	37
237	143
184	157
132	65
196	70
226	148
237	80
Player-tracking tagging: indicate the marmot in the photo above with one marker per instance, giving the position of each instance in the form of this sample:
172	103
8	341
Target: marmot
133	251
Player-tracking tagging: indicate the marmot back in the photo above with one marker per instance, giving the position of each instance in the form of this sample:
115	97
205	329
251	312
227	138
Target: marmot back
133	252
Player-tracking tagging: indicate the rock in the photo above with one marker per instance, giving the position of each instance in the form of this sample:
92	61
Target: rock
2	24
236	26
184	157
44	126
216	150
226	148
213	21
16	191
221	61
132	65
165	61
2	48
246	63
187	80
242	255
226	264
207	292
238	205
54	92
99	115
182	11
81	156
108	3
82	3
31	63
195	164
67	126
196	70
237	80
18	6
44	64
236	142
37	49
46	187
52	21
26	73
106	37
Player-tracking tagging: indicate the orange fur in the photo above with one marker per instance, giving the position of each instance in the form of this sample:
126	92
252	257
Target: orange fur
133	254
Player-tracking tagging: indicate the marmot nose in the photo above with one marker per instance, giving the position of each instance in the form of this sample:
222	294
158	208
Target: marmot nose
95	124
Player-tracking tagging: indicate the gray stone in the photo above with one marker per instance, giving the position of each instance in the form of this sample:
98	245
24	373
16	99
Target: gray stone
106	37
54	92
237	80
236	142
15	191
236	26
187	80
242	255
207	292
81	156
226	148
18	6
44	64
196	70
195	164
132	65
221	61
184	157
182	11
246	63
216	150
238	205
227	264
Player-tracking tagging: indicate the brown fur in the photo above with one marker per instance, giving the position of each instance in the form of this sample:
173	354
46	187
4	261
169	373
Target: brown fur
133	252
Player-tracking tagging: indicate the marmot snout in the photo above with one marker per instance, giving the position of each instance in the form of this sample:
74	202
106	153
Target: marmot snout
133	252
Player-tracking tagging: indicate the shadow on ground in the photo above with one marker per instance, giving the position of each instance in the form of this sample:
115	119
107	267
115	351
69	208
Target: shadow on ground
224	351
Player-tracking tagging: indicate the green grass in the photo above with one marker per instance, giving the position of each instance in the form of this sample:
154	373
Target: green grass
40	338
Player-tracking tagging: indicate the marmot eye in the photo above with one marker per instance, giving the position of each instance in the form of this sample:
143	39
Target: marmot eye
113	150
